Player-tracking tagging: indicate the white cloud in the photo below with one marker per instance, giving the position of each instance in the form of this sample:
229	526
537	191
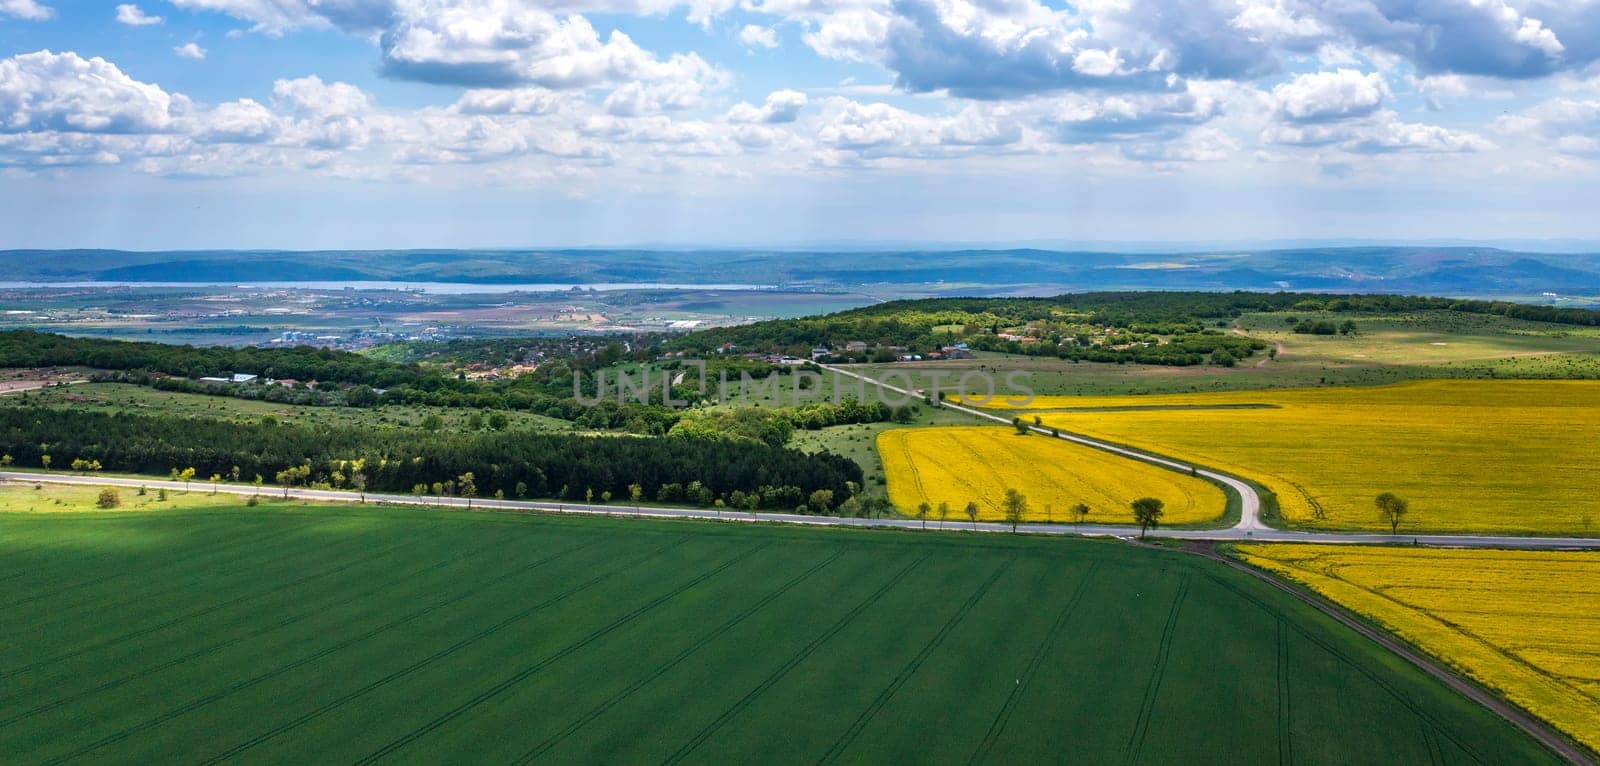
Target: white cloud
1381	133
1329	96
46	91
28	10
781	106
190	51
133	16
755	36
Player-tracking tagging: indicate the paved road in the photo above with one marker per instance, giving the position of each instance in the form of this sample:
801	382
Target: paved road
624	509
1249	525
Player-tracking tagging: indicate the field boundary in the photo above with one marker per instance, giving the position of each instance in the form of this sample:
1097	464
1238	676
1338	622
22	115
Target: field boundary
1532	725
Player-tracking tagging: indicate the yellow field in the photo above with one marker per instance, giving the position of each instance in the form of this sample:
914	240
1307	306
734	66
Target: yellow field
1524	623
1474	456
959	465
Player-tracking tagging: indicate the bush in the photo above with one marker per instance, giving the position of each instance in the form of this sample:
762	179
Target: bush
109	498
252	501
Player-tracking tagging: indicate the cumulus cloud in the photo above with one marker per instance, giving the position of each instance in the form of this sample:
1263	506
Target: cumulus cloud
1383	133
46	91
1006	49
190	51
1328	96
755	36
133	16
1084	120
29	10
780	107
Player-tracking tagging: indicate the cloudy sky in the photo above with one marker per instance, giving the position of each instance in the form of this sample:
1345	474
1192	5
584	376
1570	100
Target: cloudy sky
456	123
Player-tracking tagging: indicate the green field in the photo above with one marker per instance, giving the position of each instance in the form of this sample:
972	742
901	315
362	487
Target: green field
1387	348
339	634
126	397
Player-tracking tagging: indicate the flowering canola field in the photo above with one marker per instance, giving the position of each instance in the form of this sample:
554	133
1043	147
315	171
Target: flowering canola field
1525	623
957	465
1469	455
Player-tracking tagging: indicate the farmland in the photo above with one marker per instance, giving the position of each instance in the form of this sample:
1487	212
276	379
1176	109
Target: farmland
1522	623
125	397
1470	456
289	633
979	463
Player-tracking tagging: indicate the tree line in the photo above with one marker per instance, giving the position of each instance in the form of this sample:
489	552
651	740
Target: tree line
515	464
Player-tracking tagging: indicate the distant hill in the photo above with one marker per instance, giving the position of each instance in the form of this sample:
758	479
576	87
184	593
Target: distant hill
1433	270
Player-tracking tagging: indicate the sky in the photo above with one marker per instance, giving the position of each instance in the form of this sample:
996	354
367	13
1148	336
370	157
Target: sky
179	124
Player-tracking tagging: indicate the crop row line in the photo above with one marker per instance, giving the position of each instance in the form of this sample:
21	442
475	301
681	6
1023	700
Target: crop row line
306	660
531	670
240	599
806	651
1152	691
1003	716
1334	651
865	717
351	696
1285	697
314	611
695	646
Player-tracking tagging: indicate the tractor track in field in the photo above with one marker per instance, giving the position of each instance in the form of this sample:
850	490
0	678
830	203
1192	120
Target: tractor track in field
241	599
259	678
532	670
695	646
315	611
848	737
794	661
1152	689
346	698
1003	716
1527	722
232	543
1285	696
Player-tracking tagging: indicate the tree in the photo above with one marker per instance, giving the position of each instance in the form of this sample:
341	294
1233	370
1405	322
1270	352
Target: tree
432	422
923	509
186	475
1392	509
44	460
6	461
1015	507
522	489
972	512
467	485
821	500
635	493
944	513
216	480
1022	428
108	498
1148	512
1080	512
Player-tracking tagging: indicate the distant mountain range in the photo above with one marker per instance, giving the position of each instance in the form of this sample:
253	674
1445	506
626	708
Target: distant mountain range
1411	269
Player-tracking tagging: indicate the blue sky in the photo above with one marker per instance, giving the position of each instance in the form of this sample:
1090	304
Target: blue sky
467	123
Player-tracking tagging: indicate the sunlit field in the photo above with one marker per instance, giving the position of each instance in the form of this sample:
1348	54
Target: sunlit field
1524	623
955	466
1472	456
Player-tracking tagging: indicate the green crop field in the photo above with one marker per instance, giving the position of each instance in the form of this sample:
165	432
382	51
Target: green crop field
352	634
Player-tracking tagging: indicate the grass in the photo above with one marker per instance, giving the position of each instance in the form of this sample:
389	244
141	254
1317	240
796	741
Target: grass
979	463
340	634
859	442
1520	622
1385	349
126	397
1469	456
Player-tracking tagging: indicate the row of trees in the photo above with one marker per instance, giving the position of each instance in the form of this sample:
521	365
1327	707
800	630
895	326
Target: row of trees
546	465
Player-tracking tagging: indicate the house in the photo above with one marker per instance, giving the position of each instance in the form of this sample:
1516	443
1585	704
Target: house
856	345
215	380
240	377
819	352
956	352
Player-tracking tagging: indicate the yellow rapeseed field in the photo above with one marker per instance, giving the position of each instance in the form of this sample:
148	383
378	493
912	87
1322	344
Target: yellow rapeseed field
958	465
1469	455
1524	623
